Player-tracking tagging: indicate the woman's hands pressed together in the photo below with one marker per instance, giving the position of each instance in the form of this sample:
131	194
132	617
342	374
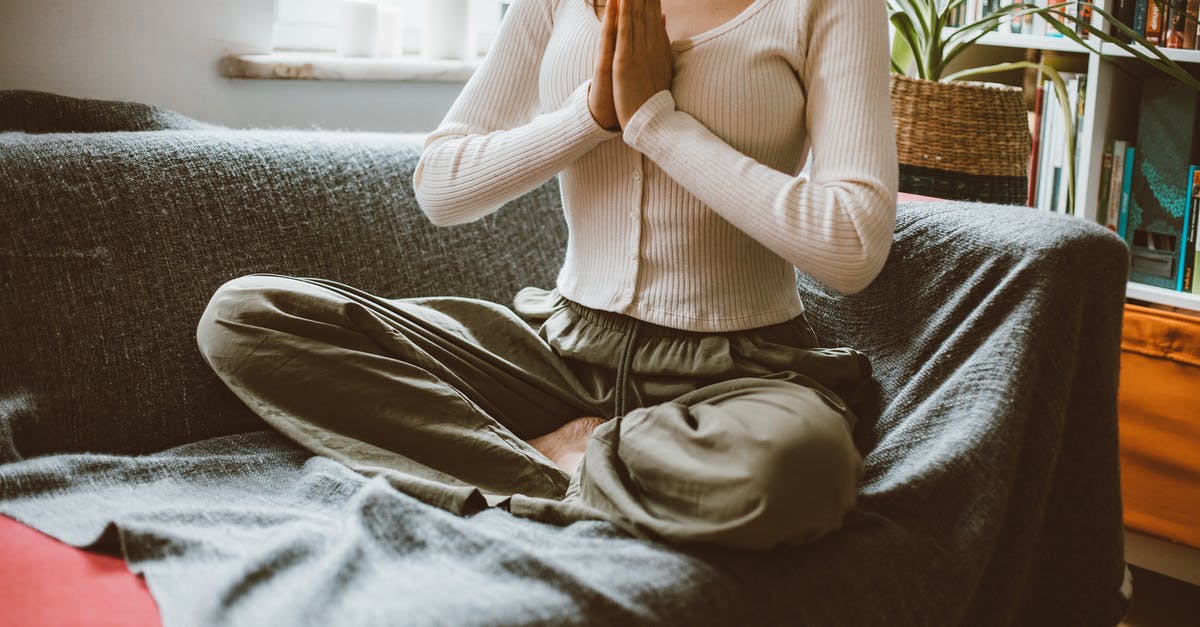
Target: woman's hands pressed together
634	61
600	94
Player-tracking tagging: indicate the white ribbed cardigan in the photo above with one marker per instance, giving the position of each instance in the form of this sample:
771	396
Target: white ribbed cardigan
695	214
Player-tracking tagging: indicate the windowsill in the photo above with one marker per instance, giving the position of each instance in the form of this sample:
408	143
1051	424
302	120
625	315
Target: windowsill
326	66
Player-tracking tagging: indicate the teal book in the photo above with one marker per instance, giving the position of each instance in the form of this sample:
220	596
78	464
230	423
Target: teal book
1126	178
1187	257
1168	142
1139	16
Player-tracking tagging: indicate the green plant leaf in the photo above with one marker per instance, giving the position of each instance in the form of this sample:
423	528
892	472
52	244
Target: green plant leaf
902	53
917	12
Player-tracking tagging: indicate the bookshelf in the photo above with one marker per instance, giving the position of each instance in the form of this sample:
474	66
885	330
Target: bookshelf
1110	110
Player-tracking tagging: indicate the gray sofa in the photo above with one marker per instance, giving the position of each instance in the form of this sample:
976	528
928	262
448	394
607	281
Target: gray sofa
991	493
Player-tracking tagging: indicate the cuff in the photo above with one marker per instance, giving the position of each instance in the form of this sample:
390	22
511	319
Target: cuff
583	113
658	105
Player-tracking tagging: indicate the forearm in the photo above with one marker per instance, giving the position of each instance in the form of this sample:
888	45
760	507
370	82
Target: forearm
837	230
499	141
463	176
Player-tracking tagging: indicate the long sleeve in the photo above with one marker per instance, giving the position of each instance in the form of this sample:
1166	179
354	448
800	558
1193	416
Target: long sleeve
491	147
837	225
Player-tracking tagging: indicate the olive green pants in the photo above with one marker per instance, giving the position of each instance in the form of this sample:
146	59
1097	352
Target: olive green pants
730	438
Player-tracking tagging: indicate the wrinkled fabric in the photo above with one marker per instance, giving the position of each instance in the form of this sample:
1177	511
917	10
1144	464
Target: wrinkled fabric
990	493
441	394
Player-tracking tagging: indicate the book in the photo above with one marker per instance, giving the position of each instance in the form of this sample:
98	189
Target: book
1080	106
1173	24
1084	12
1062	196
1052	142
1051	148
1026	21
1154	22
1122	11
1194	248
1106	162
1062	6
1035	148
1187	258
1168	141
1189	25
1139	15
1126	178
1038	26
1116	186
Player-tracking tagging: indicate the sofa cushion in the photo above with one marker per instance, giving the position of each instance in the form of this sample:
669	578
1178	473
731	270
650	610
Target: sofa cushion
113	243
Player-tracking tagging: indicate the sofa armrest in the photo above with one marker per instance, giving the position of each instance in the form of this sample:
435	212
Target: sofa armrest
994	332
964	267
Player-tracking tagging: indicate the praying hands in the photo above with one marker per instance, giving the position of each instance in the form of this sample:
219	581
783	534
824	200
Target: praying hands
634	61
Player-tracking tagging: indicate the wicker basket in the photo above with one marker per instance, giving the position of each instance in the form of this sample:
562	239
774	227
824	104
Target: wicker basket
961	139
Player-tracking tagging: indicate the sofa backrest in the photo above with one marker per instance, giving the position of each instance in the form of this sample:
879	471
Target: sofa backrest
40	112
113	242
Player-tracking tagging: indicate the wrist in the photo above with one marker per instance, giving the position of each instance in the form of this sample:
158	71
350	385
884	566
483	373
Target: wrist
609	122
656	106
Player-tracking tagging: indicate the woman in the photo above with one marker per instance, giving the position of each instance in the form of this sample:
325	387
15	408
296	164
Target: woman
669	383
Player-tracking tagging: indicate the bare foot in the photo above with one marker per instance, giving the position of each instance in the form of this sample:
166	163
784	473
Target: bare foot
565	445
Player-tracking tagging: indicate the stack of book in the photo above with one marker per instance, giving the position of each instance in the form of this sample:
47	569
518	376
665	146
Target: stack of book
973	10
1162	22
1048	157
1150	189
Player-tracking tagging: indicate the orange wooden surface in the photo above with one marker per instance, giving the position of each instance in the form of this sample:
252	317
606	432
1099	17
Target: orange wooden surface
1160	423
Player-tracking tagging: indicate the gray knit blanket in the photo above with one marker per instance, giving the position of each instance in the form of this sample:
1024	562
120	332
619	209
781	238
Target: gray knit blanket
990	496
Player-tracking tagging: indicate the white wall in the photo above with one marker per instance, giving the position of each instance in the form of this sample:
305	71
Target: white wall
165	52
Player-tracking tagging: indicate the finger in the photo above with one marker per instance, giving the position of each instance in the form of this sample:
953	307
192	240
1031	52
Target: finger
653	21
611	14
608	36
638	22
625	29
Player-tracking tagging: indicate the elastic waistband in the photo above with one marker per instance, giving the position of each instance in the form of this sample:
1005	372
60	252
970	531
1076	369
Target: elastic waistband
623	324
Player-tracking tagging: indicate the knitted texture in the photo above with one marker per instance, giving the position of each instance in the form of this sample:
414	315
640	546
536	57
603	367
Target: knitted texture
115	241
990	494
694	216
40	112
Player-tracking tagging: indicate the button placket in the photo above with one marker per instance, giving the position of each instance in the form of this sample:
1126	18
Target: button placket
635	220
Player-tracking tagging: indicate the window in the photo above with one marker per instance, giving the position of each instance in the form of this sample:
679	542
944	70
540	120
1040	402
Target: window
313	24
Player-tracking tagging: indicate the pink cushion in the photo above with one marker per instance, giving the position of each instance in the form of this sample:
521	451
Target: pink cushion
44	582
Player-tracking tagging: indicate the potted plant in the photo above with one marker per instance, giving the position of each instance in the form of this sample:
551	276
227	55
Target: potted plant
967	139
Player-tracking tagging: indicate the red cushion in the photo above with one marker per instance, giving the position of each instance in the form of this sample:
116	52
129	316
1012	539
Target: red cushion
44	583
